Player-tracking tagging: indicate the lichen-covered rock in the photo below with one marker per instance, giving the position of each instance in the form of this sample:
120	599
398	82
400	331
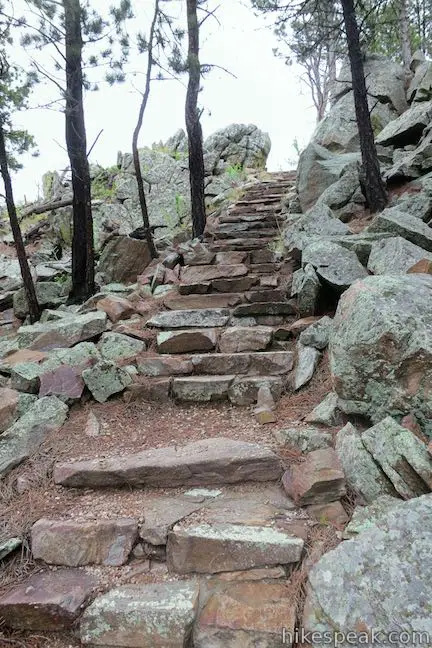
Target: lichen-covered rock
105	379
49	295
394	255
142	616
244	145
381	347
304	439
334	264
362	473
24	437
327	412
379	582
317	335
307	361
115	346
306	286
64	332
400	223
365	517
407	128
123	259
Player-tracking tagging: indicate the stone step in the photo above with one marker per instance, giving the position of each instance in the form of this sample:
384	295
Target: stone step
265	308
242	217
240	244
265	295
256	209
258	201
265	268
201	463
239	390
203	273
190	341
194	302
261	363
237	285
243	226
183	319
142	616
236	339
252	233
229	547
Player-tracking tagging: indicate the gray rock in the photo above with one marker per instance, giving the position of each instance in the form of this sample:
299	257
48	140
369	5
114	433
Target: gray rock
142	616
420	88
9	546
237	144
181	319
395	255
304	439
327	412
361	471
317	170
187	341
416	204
105	379
122	260
161	513
382	333
201	389
306	286
382	578
344	190
115	346
307	362
318	334
365	517
65	332
244	389
334	264
26	435
402	456
412	163
49	295
361	243
319	221
408	128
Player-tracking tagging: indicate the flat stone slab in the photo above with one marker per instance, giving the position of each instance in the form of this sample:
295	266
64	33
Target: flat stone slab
201	389
261	363
246	614
214	300
204	318
201	463
317	480
72	543
164	366
245	338
307	361
160	515
47	601
187	341
236	285
265	308
64	332
142	616
244	389
194	274
209	549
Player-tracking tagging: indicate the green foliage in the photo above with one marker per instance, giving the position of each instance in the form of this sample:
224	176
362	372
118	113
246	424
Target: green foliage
235	172
103	184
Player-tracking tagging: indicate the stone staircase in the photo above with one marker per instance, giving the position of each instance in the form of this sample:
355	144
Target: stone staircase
225	331
191	546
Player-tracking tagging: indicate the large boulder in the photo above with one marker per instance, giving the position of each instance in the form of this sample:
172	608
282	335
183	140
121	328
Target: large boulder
381	347
123	259
378	585
242	145
408	128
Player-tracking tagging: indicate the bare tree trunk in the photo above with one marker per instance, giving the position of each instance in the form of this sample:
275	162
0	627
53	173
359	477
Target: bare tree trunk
143	106
29	288
76	142
405	35
374	188
193	125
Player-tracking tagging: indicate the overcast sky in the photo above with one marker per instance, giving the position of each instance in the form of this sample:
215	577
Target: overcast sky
265	92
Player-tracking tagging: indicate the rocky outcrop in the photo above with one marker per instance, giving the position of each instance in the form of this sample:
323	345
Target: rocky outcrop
381	347
378	582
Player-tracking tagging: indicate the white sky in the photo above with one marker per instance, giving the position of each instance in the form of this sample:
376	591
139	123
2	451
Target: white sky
266	92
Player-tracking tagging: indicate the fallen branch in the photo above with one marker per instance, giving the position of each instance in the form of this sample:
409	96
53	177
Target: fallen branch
45	207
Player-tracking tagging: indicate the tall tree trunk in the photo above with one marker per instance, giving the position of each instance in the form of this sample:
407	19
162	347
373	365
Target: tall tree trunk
374	188
76	142
404	34
143	106
193	125
29	288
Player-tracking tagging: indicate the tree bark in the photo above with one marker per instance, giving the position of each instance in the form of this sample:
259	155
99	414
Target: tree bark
143	106
193	125
405	35
374	188
76	143
29	288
